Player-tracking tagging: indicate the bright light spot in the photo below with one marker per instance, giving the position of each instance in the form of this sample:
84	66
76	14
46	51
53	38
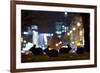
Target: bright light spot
63	26
66	13
78	44
64	46
58	32
24	41
34	27
70	31
57	44
50	48
74	28
68	34
25	33
78	24
73	42
81	33
52	34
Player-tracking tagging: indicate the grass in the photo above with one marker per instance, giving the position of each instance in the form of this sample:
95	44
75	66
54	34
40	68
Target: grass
61	57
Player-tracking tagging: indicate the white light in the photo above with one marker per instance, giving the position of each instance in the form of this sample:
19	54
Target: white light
34	27
68	34
66	13
78	24
74	28
57	44
24	41
58	32
70	31
45	38
73	42
63	26
28	46
25	33
52	34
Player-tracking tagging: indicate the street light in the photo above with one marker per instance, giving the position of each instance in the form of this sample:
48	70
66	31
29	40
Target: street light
68	33
74	29
78	24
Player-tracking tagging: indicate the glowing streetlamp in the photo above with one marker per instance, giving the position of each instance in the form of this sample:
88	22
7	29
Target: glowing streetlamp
74	29
78	24
68	33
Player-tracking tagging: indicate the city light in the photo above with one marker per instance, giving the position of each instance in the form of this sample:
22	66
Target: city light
57	44
78	24
81	33
60	42
70	31
52	34
50	48
78	44
66	13
45	39
24	41
74	28
25	33
68	34
73	42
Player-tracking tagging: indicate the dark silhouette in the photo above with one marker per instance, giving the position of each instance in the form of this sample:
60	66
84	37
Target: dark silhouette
80	50
51	53
65	50
36	51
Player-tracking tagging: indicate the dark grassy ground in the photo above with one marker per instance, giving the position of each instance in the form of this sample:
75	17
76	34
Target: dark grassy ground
61	57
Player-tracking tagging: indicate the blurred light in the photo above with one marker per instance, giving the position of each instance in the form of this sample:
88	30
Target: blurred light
74	28
25	33
70	31
24	41
63	26
22	51
34	27
81	33
68	34
58	32
50	48
45	38
35	37
65	13
57	44
78	44
52	34
73	42
60	42
78	24
64	46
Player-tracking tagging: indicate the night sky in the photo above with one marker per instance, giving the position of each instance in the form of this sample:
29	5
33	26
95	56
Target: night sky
45	20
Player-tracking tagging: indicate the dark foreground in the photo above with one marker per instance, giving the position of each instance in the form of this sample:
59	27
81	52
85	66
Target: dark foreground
61	57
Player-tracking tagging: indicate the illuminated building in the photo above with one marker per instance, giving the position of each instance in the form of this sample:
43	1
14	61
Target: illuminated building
76	31
35	35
